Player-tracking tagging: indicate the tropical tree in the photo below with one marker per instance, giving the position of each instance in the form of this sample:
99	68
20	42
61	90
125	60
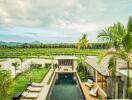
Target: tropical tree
83	42
112	68
15	65
80	63
22	60
121	39
5	80
114	35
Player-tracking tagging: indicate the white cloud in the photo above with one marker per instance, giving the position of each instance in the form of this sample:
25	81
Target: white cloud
42	12
72	15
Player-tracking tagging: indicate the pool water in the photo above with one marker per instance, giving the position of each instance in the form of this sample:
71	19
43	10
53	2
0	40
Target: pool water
66	88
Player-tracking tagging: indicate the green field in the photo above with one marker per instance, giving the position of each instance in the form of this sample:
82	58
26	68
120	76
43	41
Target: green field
19	83
27	52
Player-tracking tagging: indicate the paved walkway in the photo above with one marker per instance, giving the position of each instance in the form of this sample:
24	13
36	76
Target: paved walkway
43	94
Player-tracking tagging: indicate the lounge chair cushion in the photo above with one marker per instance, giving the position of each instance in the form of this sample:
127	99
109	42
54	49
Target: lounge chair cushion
29	95
94	91
24	94
34	89
37	84
89	83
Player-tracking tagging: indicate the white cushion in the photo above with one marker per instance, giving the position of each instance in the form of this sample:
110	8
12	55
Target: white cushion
38	84
90	81
93	92
24	94
34	89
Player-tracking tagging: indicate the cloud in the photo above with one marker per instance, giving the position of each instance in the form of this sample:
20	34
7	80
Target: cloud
61	16
36	13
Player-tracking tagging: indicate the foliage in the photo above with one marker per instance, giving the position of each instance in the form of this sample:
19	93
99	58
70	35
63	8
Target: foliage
113	34
112	66
81	63
30	52
84	77
121	39
15	64
83	42
19	83
34	66
5	81
61	45
22	60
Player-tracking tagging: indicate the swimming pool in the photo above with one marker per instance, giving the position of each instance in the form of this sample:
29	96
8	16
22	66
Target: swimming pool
66	87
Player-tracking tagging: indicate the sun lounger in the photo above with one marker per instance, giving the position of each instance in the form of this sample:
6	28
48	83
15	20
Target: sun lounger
89	83
94	91
34	89
29	95
37	84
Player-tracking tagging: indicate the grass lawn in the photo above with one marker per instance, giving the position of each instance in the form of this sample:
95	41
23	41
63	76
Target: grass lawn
16	52
19	83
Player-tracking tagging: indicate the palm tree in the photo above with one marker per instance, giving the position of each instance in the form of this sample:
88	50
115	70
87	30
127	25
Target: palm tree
83	42
81	63
114	35
121	39
112	70
22	60
15	64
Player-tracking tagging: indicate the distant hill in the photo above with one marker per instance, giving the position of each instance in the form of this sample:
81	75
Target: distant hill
9	43
36	42
17	43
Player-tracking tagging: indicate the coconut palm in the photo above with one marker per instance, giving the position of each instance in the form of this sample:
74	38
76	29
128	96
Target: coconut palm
112	70
22	60
114	35
15	65
83	42
121	39
80	63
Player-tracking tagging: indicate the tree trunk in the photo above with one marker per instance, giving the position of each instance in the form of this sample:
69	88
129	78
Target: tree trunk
128	65
21	67
115	81
116	88
113	88
15	71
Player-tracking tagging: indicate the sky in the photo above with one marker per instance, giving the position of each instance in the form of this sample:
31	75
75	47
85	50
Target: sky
59	21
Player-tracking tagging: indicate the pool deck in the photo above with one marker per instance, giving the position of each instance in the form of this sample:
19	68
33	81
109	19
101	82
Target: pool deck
45	90
86	91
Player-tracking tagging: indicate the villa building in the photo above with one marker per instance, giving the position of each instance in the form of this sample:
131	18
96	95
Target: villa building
103	77
66	63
